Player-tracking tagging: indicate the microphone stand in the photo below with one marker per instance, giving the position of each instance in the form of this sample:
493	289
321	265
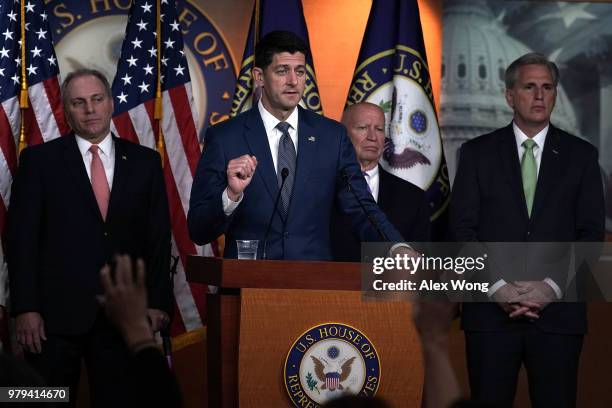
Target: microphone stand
349	186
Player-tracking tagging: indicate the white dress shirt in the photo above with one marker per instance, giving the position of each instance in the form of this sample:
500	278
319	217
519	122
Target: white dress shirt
372	177
539	138
106	151
274	137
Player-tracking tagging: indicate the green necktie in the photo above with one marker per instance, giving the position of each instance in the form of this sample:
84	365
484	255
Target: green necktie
529	172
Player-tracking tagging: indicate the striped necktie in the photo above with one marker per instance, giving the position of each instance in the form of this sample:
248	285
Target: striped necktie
286	159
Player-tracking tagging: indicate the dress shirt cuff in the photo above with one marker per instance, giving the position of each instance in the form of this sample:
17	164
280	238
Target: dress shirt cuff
229	205
399	245
554	287
495	287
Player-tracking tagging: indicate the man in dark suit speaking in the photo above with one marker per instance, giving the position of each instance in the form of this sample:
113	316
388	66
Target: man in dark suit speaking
277	143
527	182
76	202
404	204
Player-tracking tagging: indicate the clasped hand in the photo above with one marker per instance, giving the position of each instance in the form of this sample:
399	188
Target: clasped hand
524	298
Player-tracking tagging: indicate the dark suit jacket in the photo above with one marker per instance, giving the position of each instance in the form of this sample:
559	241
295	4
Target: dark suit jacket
404	204
58	241
488	205
151	382
324	153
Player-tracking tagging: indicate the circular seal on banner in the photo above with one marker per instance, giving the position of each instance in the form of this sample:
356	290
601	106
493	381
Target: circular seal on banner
398	81
328	361
90	34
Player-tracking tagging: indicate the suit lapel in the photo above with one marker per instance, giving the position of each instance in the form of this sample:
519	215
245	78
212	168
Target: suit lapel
551	169
74	163
306	156
120	176
511	168
383	179
257	140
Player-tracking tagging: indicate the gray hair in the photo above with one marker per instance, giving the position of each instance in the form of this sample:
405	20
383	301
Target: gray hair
532	58
81	72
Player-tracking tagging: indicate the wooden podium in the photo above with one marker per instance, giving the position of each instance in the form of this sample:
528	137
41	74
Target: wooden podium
262	308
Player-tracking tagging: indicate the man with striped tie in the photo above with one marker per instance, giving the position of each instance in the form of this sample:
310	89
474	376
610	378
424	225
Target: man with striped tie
280	149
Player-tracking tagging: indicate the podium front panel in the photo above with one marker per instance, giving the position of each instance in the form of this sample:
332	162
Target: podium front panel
271	320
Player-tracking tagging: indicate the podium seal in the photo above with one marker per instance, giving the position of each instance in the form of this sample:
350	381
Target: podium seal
330	360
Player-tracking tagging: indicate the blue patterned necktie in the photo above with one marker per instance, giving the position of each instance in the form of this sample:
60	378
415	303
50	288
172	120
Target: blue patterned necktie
286	159
367	179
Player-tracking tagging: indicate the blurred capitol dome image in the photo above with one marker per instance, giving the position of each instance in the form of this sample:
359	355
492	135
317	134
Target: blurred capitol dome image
476	51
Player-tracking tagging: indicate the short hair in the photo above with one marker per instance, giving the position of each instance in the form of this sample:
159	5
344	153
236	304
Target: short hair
349	111
276	42
532	58
81	72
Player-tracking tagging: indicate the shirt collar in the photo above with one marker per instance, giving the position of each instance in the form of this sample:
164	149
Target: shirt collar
105	146
372	172
270	121
520	137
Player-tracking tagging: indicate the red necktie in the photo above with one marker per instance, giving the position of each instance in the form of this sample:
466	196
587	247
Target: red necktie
99	181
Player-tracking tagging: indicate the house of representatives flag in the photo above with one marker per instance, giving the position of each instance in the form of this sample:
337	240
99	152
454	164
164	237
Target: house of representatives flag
174	134
272	15
30	103
392	72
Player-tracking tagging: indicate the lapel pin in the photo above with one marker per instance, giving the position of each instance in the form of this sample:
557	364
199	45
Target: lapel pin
554	151
312	138
123	157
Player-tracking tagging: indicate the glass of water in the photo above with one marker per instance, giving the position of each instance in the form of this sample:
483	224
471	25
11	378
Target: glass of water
247	248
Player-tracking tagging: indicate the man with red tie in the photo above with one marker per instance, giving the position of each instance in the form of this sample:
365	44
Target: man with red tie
76	202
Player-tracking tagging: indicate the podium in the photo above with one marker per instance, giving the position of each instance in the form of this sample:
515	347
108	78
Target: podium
262	308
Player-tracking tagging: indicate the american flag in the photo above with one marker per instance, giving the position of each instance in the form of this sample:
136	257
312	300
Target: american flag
44	119
134	93
43	116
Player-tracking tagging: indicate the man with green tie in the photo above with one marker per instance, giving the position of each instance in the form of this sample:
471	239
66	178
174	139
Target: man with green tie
528	182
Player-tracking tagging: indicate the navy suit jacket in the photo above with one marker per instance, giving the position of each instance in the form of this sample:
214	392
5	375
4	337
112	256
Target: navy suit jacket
324	152
404	204
58	242
488	205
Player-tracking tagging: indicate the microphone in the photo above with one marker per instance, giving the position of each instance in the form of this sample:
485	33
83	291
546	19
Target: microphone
284	175
349	186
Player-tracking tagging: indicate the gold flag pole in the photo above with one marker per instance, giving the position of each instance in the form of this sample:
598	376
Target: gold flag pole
23	95
256	22
158	113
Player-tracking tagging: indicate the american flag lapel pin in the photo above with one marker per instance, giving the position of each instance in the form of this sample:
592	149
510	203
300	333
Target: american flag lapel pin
312	138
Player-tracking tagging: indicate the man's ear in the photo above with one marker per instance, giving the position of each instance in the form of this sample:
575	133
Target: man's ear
510	97
257	74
